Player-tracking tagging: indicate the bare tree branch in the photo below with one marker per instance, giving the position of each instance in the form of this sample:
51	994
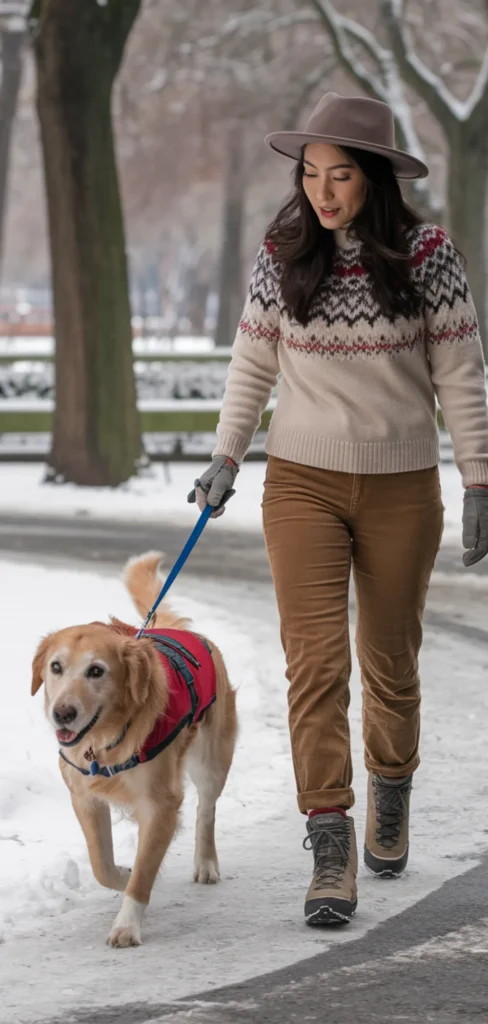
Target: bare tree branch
445	107
334	23
477	104
383	84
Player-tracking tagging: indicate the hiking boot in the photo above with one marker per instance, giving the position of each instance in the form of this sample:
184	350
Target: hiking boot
332	896
386	844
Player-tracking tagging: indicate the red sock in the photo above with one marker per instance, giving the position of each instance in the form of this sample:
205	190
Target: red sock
327	810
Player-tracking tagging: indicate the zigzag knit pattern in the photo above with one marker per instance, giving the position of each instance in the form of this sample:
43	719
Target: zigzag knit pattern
344	320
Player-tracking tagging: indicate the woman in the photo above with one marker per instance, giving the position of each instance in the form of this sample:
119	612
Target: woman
366	314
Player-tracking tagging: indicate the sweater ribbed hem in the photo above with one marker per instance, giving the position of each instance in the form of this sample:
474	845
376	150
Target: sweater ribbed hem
353	457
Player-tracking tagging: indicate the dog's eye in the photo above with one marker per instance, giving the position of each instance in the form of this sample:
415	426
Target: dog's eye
95	672
56	668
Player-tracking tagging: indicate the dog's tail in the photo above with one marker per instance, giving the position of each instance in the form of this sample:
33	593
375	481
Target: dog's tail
143	581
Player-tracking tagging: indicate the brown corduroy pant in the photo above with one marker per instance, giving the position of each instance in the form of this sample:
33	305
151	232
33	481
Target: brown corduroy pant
317	523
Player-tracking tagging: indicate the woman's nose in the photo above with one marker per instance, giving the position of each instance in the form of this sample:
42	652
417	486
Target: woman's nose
326	190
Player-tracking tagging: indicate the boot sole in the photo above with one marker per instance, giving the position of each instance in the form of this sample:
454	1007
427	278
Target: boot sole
382	868
332	912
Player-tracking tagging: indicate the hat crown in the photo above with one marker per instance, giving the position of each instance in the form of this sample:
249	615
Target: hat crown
353	117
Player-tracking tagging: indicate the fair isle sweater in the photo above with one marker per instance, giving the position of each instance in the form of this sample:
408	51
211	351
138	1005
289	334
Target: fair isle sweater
357	391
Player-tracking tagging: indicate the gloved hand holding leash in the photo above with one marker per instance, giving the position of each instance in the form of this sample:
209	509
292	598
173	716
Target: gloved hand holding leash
215	486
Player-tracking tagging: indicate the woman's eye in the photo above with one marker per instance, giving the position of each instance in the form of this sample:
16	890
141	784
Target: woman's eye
348	178
56	668
306	174
95	672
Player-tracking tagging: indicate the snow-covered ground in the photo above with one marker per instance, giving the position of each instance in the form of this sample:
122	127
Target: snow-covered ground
55	916
153	498
52	912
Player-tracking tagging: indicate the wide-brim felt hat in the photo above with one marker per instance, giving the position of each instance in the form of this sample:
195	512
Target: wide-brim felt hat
354	121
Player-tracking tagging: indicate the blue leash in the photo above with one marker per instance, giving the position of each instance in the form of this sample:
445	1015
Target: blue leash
180	561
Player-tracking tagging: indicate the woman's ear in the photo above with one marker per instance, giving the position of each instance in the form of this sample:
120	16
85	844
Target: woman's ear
138	664
38	665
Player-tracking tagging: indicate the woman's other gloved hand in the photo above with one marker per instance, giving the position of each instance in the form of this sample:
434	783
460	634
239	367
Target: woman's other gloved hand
475	523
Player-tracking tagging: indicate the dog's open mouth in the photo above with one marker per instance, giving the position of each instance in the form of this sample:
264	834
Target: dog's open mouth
68	738
65	735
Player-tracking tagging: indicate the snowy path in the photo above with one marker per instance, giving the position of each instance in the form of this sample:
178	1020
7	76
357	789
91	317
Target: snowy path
54	918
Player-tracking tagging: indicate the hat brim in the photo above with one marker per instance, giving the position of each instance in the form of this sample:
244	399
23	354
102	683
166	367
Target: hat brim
291	143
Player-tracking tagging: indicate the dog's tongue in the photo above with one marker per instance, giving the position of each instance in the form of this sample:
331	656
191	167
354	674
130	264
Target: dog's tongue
65	735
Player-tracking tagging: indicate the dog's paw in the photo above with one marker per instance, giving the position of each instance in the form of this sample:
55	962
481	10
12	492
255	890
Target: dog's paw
122	938
127	925
206	872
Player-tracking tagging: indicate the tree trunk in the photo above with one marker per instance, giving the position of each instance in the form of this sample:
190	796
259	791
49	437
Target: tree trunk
197	306
96	431
467	163
230	275
12	45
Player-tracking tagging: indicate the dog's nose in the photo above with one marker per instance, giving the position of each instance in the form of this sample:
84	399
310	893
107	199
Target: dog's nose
63	714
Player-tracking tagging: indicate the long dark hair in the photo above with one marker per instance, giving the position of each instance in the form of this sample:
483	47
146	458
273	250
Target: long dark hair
305	251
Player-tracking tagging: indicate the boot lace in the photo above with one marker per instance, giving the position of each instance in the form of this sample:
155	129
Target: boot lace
391	808
330	845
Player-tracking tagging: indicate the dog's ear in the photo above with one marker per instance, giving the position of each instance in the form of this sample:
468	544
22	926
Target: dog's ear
38	665
138	664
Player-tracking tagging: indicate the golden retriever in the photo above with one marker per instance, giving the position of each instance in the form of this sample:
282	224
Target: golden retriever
104	691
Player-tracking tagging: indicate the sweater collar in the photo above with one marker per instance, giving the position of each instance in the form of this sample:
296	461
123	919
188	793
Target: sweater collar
346	240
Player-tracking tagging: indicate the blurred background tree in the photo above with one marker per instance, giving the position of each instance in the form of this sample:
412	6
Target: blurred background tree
78	48
13	37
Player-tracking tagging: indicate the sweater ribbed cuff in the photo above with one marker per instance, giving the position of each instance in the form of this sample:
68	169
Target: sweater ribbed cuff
474	472
233	445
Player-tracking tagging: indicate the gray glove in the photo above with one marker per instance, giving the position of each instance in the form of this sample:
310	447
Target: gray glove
475	524
215	485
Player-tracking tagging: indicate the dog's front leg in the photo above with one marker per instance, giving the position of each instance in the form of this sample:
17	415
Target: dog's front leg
157	826
94	818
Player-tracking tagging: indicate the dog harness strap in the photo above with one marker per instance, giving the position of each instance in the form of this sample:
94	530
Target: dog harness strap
176	661
175	644
196	651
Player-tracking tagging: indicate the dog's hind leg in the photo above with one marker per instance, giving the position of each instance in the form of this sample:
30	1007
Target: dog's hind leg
208	763
95	821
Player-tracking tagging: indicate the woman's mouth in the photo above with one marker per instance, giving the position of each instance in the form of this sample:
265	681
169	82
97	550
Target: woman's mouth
328	212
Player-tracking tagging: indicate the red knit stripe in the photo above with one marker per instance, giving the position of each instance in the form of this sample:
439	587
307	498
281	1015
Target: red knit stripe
428	245
355	270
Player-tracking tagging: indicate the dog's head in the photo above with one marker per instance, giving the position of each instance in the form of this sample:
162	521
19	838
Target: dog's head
93	675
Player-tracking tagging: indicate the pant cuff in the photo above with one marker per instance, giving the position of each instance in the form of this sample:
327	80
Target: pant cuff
325	798
393	771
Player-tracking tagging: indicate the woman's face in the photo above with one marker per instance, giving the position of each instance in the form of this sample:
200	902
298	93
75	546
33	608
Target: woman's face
334	185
